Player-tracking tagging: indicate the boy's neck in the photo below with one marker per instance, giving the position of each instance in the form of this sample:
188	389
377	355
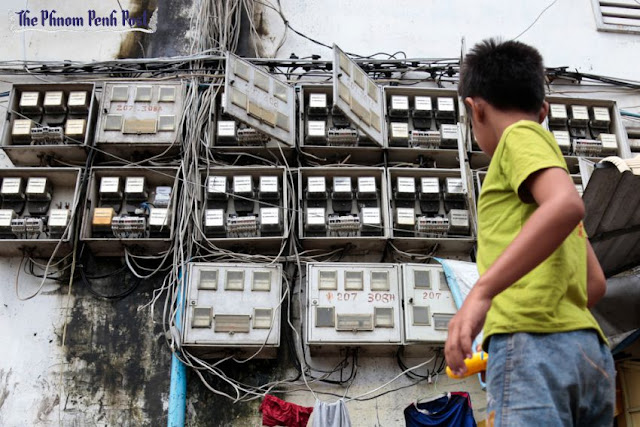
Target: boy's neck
500	120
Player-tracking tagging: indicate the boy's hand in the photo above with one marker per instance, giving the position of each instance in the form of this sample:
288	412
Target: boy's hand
463	328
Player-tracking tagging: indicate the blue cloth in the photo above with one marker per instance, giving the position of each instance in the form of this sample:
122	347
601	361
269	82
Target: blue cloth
453	410
559	379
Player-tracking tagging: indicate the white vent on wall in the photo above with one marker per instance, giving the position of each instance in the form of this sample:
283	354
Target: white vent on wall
621	16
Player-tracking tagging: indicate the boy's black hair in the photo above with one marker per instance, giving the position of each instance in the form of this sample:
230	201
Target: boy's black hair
508	75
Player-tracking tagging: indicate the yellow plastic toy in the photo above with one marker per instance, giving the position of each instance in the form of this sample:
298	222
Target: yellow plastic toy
477	363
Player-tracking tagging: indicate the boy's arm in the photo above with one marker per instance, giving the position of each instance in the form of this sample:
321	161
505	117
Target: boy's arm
559	211
596	282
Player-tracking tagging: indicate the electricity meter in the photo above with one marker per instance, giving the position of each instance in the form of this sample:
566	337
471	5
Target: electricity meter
54	102
159	222
78	102
214	221
405	188
102	219
399	106
110	188
30	102
135	188
366	188
316	188
217	188
318	104
268	188
227	131
162	197
422	107
399	133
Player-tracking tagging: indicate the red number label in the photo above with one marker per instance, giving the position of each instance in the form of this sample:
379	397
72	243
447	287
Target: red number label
346	296
431	295
380	297
152	108
125	107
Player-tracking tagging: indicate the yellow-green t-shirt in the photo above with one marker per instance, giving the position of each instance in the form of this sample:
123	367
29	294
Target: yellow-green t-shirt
553	296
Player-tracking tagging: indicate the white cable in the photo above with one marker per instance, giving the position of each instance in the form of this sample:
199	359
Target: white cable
391	380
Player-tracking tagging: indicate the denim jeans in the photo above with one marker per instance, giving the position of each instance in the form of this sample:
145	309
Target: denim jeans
558	379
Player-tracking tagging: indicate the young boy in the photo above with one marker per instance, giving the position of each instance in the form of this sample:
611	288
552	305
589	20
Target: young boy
548	359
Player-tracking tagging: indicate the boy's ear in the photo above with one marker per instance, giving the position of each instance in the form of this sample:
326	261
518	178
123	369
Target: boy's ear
476	108
543	112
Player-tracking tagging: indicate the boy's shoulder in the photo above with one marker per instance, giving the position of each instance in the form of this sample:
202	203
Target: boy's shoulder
528	138
524	148
525	127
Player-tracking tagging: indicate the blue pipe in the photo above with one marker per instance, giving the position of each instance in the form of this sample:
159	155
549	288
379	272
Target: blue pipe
629	113
178	385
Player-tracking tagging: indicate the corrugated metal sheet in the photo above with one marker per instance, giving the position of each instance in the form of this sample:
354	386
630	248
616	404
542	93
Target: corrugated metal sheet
612	201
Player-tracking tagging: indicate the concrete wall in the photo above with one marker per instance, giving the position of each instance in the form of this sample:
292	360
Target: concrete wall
113	368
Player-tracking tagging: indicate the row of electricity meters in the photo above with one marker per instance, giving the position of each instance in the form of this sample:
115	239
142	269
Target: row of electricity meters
337	205
51	116
585	131
244	205
127	208
27	211
58	121
231	306
413	122
123	207
143	113
422	204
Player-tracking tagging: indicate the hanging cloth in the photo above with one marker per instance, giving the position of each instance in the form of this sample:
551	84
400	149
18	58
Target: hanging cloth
277	412
331	414
451	410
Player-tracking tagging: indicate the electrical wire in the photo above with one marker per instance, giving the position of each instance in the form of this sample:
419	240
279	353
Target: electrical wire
535	20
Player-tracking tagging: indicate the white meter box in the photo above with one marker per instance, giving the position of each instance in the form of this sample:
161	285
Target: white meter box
428	304
140	117
259	100
353	304
129	207
431	207
37	207
245	206
50	123
357	96
424	122
340	206
582	127
326	133
232	307
589	128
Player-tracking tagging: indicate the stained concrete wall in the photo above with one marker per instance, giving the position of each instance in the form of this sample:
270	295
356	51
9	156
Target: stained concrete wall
113	368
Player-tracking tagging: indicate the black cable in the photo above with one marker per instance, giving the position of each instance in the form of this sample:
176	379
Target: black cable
97	294
31	271
105	275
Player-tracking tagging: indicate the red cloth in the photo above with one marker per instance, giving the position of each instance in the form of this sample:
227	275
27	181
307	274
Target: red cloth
277	412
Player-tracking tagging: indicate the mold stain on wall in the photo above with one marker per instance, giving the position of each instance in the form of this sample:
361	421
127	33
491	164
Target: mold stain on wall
117	361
